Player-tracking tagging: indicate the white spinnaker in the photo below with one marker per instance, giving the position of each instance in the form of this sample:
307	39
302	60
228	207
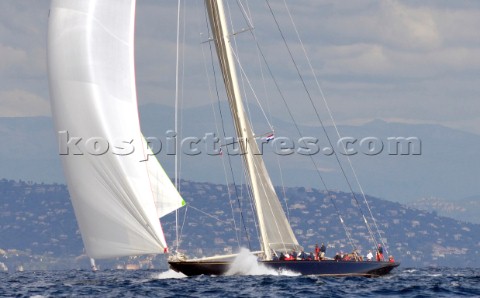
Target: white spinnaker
93	95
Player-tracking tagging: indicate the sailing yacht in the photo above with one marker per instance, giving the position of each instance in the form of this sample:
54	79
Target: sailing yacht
118	188
275	231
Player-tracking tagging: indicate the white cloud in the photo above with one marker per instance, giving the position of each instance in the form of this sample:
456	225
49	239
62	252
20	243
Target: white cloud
20	103
407	27
11	57
375	59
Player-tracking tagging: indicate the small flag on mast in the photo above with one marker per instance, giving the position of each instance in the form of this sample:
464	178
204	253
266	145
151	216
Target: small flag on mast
269	137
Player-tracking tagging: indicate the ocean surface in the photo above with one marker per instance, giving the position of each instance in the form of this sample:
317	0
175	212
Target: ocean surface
403	282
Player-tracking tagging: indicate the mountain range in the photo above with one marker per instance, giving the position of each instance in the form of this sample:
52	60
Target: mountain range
446	168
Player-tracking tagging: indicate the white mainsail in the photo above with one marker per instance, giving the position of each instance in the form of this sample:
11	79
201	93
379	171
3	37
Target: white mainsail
275	229
117	193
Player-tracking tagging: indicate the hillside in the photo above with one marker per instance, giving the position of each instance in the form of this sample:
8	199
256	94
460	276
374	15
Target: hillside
38	228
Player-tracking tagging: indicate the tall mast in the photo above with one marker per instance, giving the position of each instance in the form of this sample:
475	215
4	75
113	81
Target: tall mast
275	231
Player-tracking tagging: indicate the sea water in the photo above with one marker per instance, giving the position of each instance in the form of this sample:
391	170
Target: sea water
246	278
402	282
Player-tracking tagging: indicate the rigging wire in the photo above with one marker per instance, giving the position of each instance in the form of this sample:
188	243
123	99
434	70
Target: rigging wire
235	51
176	118
301	135
251	88
321	122
247	15
183	223
224	135
234	37
250	195
208	214
249	23
179	92
236	229
335	125
245	78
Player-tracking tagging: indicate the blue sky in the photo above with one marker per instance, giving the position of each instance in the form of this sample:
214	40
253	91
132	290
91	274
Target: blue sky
393	60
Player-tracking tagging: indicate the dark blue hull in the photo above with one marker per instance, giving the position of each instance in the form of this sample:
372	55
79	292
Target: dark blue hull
326	268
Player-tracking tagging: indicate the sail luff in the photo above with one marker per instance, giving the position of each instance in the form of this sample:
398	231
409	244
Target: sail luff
275	231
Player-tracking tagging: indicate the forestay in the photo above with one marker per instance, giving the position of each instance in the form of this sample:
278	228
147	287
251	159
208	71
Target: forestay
93	97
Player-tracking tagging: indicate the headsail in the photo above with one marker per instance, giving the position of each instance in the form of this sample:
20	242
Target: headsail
165	195
275	230
93	97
